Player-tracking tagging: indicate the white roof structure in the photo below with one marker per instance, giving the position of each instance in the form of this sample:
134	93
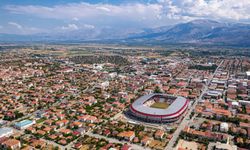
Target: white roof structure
235	103
5	131
225	146
178	104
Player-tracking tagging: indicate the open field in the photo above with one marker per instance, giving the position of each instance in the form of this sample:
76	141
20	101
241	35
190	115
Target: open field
161	105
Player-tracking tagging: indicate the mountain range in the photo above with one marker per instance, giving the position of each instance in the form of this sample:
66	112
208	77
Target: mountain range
201	32
193	32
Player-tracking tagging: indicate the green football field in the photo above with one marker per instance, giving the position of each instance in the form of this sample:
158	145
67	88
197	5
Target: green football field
161	105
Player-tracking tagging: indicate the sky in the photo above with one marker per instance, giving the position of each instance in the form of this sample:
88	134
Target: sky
56	16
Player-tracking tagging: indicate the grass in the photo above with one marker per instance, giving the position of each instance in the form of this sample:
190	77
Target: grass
161	105
40	120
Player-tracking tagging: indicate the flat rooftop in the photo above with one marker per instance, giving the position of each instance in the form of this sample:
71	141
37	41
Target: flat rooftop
5	130
23	123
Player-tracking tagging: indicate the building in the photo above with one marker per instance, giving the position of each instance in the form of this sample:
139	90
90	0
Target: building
159	134
126	147
11	144
248	75
224	127
213	94
127	135
24	124
141	109
5	132
41	114
221	146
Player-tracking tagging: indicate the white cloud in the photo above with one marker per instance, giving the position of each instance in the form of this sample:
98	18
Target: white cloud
103	8
16	28
213	9
140	15
103	13
15	25
88	26
70	27
75	19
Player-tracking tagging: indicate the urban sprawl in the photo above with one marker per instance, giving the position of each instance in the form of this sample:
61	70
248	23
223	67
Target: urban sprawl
122	98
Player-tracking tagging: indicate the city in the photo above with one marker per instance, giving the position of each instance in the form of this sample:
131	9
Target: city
52	99
124	75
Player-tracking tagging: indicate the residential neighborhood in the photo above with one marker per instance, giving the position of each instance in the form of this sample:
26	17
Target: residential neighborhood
53	100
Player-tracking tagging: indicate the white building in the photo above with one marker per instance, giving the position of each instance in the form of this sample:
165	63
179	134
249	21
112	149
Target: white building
24	124
235	104
224	127
105	84
98	66
113	74
248	74
6	132
220	146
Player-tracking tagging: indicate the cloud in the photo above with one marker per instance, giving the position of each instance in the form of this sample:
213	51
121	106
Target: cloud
1	27
88	26
174	9
131	16
103	9
93	13
15	25
16	28
75	19
212	9
70	27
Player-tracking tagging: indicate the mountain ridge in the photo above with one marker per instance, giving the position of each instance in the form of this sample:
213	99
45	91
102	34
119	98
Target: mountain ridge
203	31
195	32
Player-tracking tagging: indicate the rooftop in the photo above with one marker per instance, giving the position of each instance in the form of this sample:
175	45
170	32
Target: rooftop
5	130
177	104
23	123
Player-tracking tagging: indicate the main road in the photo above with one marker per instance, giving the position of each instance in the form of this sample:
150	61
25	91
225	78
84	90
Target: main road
186	119
113	140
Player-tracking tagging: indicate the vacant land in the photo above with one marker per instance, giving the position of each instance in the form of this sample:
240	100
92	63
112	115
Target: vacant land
161	105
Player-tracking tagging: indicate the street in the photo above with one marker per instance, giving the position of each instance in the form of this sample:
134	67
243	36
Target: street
186	120
112	140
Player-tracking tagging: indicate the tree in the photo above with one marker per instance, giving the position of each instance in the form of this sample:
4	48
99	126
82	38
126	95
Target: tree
244	109
191	115
56	148
157	89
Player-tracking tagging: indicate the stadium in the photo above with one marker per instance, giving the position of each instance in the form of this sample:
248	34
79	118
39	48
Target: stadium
158	108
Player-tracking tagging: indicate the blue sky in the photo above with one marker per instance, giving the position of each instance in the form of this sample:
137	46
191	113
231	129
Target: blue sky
56	16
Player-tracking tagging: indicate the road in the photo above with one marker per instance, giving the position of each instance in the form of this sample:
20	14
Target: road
186	120
54	144
138	122
10	123
112	140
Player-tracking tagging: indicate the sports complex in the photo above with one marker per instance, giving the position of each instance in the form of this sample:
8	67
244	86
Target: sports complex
157	107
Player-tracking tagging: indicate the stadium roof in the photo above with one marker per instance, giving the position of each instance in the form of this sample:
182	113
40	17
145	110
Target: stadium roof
178	104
